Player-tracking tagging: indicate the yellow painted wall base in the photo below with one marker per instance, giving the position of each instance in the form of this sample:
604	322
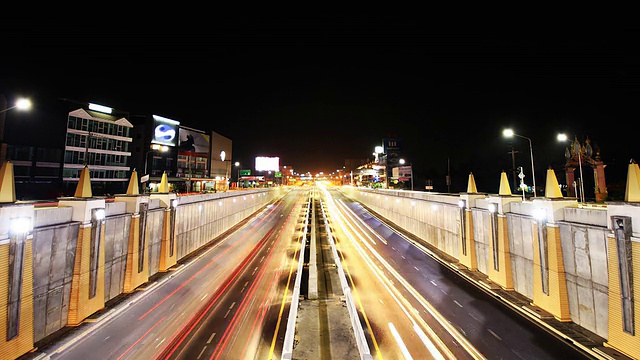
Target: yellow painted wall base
167	260
503	276
619	339
469	260
80	306
134	278
557	301
23	343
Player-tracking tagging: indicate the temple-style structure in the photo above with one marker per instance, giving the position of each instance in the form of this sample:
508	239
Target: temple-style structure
577	155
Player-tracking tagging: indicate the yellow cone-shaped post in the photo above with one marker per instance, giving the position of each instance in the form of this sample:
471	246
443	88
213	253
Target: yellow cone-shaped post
505	189
133	188
164	184
552	188
632	192
471	186
84	185
7	183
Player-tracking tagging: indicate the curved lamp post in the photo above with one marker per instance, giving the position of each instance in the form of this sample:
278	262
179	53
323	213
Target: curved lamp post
509	133
21	104
154	147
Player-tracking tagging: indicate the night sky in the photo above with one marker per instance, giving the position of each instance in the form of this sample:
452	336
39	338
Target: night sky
318	90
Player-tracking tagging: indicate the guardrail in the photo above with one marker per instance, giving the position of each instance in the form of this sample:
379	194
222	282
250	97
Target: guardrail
287	347
361	340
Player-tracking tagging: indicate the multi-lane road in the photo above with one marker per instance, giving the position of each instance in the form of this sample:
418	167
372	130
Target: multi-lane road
232	299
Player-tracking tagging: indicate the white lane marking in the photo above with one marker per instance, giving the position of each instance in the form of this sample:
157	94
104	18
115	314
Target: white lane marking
457	303
401	344
434	283
494	334
160	343
202	352
211	338
416	268
204	296
474	317
428	343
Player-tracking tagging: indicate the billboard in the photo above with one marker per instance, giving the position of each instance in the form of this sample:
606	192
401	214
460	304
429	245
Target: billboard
402	173
165	131
221	155
264	163
193	143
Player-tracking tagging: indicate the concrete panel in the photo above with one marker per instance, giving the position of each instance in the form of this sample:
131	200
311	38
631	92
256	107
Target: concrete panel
155	220
572	295
115	208
591	216
599	257
586	306
54	251
52	216
601	304
116	245
568	248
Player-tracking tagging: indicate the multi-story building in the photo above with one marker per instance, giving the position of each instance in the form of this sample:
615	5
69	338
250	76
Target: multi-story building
97	137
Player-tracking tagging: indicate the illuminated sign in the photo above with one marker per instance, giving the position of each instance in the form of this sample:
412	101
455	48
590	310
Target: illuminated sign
193	142
165	131
267	163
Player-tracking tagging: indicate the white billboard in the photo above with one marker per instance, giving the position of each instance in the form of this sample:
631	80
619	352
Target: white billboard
264	163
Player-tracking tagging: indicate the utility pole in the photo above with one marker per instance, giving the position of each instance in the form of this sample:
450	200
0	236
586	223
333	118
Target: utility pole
448	176
513	153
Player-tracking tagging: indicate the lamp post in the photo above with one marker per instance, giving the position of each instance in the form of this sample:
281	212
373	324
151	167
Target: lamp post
21	104
153	148
563	137
237	164
509	133
402	161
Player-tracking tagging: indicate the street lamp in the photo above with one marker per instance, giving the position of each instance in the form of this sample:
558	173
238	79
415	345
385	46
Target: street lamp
563	137
237	164
509	133
21	104
154	147
411	173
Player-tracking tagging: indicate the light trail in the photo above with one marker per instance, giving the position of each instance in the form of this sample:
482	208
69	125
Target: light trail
461	339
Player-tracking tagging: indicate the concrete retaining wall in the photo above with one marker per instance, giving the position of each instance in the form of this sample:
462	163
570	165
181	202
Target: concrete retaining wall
435	218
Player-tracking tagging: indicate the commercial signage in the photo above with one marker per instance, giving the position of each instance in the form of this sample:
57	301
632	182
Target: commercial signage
267	163
402	173
165	131
193	143
245	172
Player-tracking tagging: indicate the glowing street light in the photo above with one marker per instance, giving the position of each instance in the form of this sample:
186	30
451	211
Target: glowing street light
237	164
21	104
509	133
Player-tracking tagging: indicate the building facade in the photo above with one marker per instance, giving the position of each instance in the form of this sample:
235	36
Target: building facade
98	138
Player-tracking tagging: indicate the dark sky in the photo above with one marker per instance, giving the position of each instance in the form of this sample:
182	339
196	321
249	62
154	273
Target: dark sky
318	90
